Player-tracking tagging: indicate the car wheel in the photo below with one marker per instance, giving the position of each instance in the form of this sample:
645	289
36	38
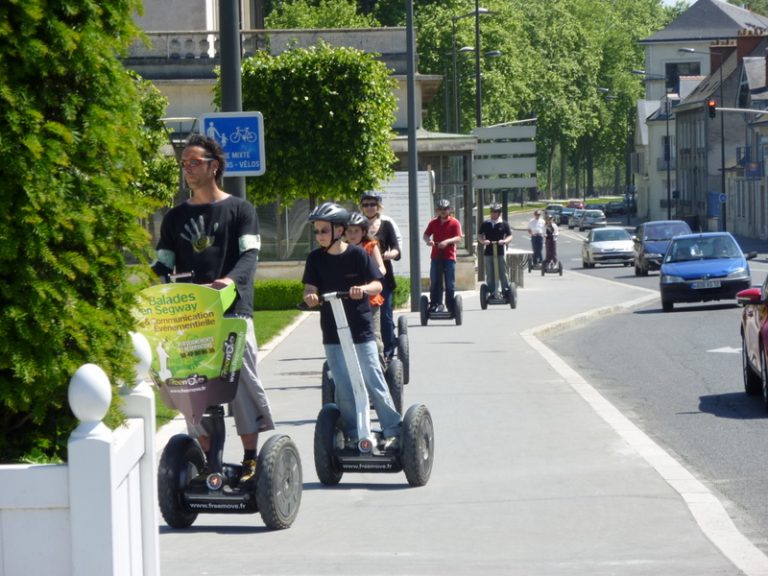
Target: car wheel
637	270
667	305
753	384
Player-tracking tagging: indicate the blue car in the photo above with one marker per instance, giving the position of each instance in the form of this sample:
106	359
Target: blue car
703	267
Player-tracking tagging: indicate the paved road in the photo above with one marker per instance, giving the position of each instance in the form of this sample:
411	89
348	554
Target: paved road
534	473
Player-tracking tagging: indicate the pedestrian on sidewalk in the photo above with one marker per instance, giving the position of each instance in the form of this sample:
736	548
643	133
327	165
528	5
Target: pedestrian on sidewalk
443	233
494	229
214	237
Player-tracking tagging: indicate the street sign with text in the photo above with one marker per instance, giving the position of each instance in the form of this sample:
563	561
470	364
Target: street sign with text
241	136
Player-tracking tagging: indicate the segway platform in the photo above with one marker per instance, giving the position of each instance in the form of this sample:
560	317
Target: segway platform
426	314
336	454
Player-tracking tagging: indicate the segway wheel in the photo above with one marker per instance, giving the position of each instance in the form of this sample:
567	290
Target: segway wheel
402	325
394	378
327	434
404	354
418	445
484	296
424	310
279	482
512	296
181	461
458	309
560	268
328	386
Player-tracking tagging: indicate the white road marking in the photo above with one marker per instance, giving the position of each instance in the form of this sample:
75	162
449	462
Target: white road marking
709	512
726	350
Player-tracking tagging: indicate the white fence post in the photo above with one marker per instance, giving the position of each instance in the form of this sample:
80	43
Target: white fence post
90	475
140	402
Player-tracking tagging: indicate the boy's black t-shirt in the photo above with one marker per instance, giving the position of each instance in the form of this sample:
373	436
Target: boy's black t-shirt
212	241
494	231
339	272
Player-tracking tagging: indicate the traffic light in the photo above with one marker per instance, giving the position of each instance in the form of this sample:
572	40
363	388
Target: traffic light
712	107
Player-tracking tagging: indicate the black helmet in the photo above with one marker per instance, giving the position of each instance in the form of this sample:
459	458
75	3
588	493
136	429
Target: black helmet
443	203
495	207
371	196
357	219
330	212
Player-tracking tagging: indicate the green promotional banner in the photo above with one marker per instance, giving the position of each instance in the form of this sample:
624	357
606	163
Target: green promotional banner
197	353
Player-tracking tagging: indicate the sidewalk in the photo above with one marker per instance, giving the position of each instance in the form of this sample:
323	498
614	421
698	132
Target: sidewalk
535	474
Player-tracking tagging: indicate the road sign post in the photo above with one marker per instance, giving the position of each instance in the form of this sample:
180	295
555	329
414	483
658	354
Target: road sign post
241	136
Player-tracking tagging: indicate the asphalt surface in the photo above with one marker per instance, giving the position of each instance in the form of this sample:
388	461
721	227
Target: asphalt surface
535	472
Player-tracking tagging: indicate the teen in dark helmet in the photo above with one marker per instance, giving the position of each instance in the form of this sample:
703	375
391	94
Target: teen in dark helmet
443	234
338	266
386	232
494	229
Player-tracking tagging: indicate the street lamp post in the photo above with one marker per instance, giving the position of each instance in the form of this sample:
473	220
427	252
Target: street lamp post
724	205
476	13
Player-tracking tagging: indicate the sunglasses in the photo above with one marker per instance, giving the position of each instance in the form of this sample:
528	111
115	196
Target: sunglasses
195	162
322	231
369	204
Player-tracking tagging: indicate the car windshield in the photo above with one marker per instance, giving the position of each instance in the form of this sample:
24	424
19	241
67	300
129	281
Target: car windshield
594	213
609	235
702	248
665	231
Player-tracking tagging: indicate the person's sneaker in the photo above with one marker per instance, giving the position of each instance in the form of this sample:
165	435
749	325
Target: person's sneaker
248	472
433	307
441	308
392	443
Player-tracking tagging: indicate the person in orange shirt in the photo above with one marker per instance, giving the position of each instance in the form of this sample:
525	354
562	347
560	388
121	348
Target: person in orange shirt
357	234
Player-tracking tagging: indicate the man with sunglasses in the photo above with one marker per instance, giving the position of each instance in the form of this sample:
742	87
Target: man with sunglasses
443	233
214	237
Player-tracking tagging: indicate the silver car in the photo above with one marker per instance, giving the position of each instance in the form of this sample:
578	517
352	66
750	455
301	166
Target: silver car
592	219
607	245
575	218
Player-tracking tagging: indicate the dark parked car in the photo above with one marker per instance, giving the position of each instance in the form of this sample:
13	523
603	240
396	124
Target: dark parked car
554	210
565	215
616	208
651	242
703	267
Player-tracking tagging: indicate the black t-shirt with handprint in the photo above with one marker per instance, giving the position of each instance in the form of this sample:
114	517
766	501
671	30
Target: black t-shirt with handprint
212	241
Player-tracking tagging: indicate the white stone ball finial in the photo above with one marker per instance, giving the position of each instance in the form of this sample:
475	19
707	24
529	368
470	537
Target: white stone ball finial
89	393
142	351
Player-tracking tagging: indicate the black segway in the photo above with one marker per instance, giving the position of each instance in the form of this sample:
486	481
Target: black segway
403	348
335	454
551	264
394	374
197	370
488	294
442	313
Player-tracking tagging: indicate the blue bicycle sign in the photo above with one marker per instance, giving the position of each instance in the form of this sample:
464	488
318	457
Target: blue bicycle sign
241	135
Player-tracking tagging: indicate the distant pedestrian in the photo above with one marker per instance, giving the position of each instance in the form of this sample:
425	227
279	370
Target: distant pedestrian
536	232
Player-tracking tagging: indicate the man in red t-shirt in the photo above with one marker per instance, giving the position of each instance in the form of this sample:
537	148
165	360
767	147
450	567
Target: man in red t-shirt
443	234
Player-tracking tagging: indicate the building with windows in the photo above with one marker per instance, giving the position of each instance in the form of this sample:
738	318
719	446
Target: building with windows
676	148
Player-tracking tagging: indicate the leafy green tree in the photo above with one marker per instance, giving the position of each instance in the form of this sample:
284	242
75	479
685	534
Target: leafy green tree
328	114
73	140
319	14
